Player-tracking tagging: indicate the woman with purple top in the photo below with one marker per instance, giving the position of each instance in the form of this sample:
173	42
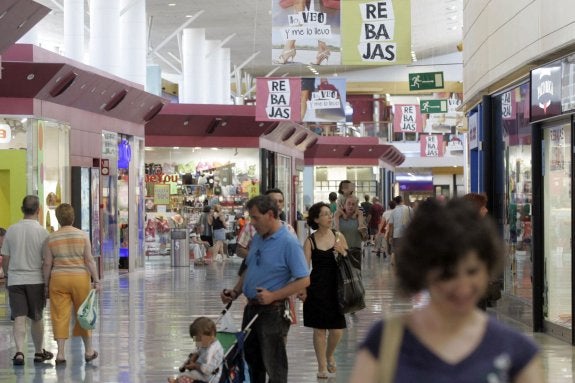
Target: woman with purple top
451	251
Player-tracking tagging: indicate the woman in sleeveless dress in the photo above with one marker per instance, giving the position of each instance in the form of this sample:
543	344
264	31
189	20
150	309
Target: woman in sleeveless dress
320	308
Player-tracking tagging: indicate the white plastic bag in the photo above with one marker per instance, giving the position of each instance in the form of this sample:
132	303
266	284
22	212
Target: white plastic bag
88	311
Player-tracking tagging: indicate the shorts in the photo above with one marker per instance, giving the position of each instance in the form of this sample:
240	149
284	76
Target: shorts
27	300
219	235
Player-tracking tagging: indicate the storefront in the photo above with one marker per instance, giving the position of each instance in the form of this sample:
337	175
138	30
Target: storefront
42	170
68	127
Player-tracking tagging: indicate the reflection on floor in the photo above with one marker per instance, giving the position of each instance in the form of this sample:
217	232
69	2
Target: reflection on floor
142	331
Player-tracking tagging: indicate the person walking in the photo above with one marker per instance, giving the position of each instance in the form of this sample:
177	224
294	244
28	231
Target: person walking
449	250
68	266
398	221
2	234
320	307
276	269
205	225
351	224
373	220
218	232
22	264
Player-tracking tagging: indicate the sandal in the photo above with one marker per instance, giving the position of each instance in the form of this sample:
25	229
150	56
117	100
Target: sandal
18	361
331	367
40	357
90	358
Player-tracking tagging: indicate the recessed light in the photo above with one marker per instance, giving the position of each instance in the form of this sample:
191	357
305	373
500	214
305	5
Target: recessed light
172	4
30	76
176	147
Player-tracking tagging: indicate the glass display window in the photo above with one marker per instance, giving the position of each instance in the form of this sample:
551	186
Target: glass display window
511	111
558	280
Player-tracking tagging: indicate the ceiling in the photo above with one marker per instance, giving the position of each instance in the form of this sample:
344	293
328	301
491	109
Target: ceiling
436	30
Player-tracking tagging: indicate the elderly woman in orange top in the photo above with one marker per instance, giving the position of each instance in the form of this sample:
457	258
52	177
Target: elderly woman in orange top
68	266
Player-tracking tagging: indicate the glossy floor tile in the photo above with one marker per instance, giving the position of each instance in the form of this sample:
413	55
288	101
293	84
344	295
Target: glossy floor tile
142	333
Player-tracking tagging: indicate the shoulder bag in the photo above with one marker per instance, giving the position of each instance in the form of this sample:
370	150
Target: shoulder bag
390	345
350	290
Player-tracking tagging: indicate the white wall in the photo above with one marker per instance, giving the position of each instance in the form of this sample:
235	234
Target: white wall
500	37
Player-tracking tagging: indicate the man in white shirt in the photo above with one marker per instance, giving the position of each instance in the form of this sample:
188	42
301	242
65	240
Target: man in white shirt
22	263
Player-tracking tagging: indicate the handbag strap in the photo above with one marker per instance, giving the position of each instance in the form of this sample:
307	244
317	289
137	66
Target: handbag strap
389	348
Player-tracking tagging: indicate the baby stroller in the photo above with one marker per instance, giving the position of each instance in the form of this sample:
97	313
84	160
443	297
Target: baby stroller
232	366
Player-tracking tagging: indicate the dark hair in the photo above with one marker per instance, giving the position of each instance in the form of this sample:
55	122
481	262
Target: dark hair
339	190
480	200
207	209
202	326
391	204
263	203
65	214
398	199
439	236
2	232
313	214
332	197
30	204
272	191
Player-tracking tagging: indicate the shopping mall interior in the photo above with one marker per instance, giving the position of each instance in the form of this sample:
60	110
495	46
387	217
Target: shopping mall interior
140	113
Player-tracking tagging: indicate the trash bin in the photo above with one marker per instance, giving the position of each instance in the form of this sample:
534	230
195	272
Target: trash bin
180	248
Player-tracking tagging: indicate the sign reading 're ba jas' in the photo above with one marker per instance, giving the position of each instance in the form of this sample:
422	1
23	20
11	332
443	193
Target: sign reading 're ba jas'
277	99
376	32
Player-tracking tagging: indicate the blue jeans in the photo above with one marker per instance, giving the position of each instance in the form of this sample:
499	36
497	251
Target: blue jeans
265	347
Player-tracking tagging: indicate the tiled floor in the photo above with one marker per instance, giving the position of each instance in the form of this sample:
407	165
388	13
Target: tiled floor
142	331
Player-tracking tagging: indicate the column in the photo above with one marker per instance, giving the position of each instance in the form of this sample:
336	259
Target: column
104	32
194	75
154	79
224	69
133	40
211	56
74	29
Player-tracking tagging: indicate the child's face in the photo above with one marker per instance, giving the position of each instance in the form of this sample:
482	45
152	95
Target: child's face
204	340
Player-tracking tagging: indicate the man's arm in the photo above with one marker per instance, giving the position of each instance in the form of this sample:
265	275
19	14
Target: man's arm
266	297
229	295
5	263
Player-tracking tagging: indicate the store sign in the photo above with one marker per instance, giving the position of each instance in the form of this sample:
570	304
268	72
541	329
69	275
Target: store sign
431	145
161	178
424	81
546	91
407	119
5	134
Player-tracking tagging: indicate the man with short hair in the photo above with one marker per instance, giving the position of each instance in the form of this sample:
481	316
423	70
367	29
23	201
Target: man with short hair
22	263
276	269
398	221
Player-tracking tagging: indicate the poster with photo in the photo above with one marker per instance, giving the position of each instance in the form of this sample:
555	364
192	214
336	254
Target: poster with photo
323	99
306	32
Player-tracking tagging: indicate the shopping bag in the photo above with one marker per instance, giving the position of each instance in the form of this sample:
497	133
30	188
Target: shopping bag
350	290
88	311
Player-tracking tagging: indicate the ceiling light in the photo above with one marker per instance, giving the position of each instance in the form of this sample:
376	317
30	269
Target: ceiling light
189	16
451	8
215	148
23	120
30	76
172	4
176	147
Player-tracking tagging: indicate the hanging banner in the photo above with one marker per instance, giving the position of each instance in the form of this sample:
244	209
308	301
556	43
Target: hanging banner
306	32
376	32
407	119
278	99
324	98
431	145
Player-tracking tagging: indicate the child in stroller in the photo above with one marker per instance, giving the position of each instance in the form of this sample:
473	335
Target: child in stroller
202	366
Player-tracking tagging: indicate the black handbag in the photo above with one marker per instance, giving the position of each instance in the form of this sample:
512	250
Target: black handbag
350	289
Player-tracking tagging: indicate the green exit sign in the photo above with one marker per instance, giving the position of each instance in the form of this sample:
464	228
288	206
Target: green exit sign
433	106
424	81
